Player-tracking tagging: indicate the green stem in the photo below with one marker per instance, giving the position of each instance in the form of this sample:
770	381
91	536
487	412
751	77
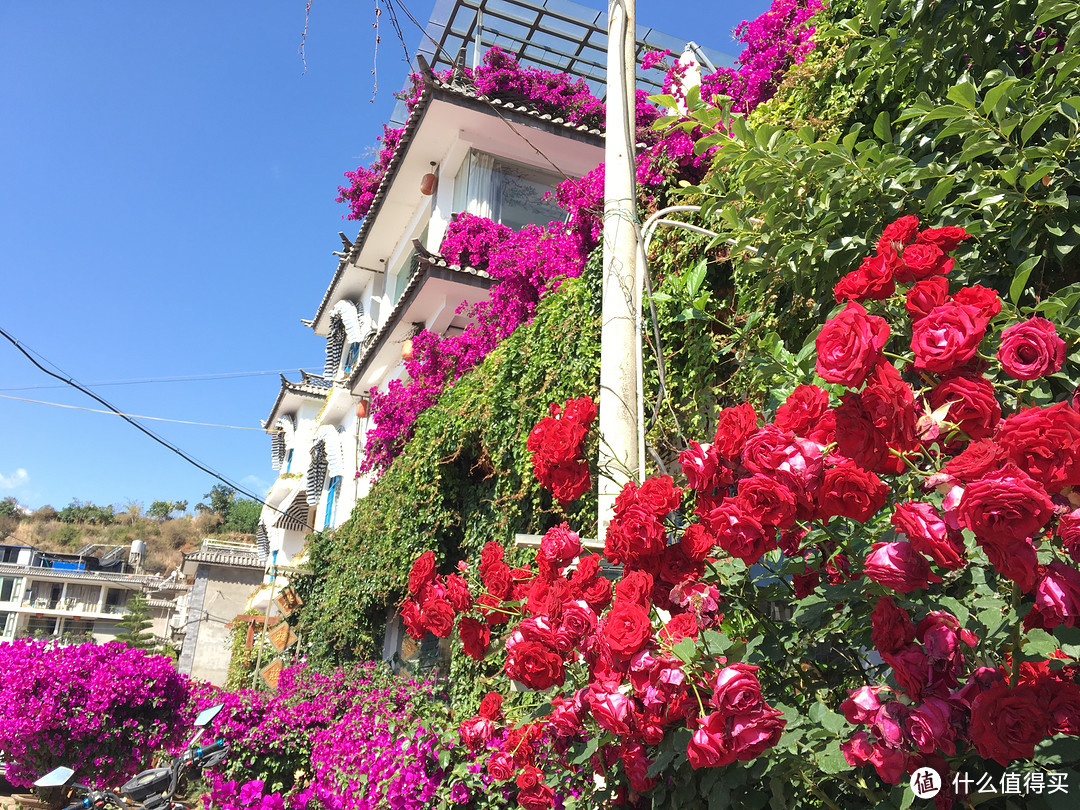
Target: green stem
1014	676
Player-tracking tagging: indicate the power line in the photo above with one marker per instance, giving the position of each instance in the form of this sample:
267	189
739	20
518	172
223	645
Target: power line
138	426
224	375
132	415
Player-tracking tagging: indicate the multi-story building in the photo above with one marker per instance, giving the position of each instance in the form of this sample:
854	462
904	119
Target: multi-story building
493	157
81	597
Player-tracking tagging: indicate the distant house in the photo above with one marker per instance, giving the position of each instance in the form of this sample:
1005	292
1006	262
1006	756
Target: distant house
81	597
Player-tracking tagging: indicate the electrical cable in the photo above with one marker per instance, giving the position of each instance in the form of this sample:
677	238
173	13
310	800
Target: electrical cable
132	415
224	375
140	427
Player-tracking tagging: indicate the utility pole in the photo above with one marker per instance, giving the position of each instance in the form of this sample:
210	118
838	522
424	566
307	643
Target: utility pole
621	307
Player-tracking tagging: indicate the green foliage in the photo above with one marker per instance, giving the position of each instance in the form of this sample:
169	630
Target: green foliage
136	624
79	512
464	479
965	114
241	658
9	506
242	517
220	499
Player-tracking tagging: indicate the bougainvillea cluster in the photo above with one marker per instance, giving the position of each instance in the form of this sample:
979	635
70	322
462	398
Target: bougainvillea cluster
102	710
527	264
914	461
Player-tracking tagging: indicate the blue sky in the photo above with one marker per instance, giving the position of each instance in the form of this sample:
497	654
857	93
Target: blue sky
167	217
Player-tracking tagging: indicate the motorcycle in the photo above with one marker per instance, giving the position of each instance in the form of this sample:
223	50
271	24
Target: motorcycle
152	789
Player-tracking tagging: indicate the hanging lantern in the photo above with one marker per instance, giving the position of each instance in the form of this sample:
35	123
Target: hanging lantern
362	409
406	349
428	183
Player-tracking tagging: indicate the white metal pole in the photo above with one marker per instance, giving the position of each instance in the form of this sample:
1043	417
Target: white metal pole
619	372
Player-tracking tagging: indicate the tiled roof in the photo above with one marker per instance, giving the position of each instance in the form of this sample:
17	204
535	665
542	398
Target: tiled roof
232	558
426	265
309	385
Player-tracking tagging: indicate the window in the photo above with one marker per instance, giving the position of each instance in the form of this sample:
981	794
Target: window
351	356
288	461
7	624
509	193
331	497
9	589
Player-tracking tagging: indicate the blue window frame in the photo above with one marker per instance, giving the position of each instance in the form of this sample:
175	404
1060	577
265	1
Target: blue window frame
288	461
351	356
331	498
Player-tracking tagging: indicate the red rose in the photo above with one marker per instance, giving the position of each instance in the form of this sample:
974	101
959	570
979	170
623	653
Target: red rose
423	572
476	731
947	337
803	408
858	750
862	705
947	238
890	403
898	566
537	797
769	501
680	626
977	460
711	746
636	765
973	408
738	533
1004	507
627	628
597	593
1061	701
982	298
457	591
613	711
501	766
852	492
535	665
1007	724
438	617
849	345
732	428
475	637
568	480
1057	596
1031	349
559	546
737	690
755	731
635	586
857	435
635	537
411	618
578	621
1069	531
701	466
899	233
697	542
921	261
795	462
498	579
929	726
873	280
1015	560
1045	444
911	669
925	295
926	531
492	609
675	565
659	495
581	410
491	706
891	626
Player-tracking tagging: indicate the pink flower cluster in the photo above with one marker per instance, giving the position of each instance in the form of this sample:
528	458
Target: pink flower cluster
102	710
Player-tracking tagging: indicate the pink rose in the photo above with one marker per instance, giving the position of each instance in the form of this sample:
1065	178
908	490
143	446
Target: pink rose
898	566
947	337
1031	349
1057	596
611	710
928	534
862	705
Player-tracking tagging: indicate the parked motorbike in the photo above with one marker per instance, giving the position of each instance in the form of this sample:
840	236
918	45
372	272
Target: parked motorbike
152	789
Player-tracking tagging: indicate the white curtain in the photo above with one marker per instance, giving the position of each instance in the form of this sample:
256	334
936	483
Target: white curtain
480	184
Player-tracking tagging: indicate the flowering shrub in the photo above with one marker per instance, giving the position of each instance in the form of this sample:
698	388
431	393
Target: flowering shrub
101	710
557	443
914	505
348	740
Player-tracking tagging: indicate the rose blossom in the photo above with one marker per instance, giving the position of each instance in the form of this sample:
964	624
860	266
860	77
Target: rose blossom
898	566
982	298
559	546
925	295
862	705
611	710
850	491
627	628
1045	444
921	261
475	637
947	337
734	425
1057	596
711	745
891	626
928	534
1031	349
423	571
535	665
973	408
849	345
1007	724
1004	507
736	689
873	279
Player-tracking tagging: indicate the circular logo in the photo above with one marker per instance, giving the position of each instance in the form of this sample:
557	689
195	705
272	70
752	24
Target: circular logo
926	783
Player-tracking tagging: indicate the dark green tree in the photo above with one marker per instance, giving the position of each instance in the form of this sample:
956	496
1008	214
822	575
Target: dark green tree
243	516
9	506
160	510
136	624
220	499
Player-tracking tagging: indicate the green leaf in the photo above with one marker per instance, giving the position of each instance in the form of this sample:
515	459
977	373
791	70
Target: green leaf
831	759
1033	124
882	126
1040	643
1020	277
684	650
963	94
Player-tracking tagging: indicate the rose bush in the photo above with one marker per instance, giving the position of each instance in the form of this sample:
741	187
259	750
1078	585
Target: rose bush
893	551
